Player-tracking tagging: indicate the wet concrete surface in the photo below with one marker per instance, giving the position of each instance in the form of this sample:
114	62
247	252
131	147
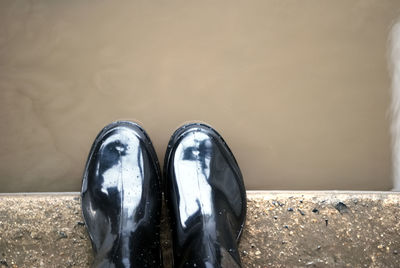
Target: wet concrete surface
283	229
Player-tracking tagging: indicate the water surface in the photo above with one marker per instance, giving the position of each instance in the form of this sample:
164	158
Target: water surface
300	91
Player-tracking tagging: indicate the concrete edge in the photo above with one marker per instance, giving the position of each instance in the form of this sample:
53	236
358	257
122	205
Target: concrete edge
250	192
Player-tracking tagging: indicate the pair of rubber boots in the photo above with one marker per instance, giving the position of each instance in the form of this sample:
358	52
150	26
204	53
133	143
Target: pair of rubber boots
122	197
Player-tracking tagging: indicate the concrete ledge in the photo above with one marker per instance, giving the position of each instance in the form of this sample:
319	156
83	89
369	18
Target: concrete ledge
284	229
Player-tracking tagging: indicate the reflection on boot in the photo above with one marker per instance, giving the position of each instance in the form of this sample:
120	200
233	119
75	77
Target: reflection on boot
121	198
206	198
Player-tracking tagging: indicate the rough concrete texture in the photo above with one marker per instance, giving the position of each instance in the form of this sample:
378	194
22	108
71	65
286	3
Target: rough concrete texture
284	229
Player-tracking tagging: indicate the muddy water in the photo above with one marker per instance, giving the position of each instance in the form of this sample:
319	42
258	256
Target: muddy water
300	91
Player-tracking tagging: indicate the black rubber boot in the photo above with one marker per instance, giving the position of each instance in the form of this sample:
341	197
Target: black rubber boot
206	198
121	198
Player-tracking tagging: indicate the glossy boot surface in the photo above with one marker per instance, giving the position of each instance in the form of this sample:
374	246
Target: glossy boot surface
121	198
206	198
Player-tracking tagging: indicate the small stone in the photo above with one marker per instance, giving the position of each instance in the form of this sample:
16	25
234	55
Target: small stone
342	208
35	235
318	247
395	252
290	209
62	234
301	212
275	217
315	210
257	253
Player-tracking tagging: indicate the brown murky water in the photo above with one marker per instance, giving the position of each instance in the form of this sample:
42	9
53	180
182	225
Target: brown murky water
300	91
